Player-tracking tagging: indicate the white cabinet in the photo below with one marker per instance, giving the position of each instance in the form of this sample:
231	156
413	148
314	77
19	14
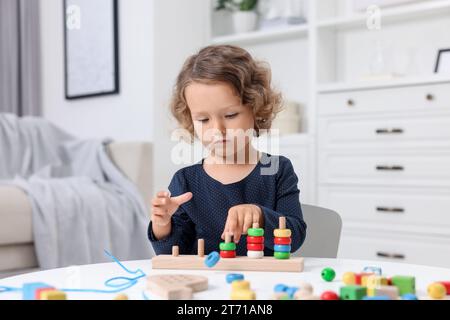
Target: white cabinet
384	166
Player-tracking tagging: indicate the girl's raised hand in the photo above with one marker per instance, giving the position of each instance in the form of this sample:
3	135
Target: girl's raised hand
164	206
241	218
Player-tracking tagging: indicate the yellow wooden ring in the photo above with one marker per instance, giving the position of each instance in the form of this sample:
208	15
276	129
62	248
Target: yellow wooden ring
282	233
243	294
240	285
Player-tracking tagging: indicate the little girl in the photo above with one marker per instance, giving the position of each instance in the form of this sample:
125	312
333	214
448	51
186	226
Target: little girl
224	91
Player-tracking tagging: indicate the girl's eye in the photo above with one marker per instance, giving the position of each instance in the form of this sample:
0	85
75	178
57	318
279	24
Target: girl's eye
231	116
202	120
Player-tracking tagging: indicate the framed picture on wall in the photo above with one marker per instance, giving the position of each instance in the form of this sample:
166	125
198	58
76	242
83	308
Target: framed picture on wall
443	62
91	53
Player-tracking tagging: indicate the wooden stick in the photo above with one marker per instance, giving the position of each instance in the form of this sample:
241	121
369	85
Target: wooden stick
255	225
282	223
201	248
228	237
175	251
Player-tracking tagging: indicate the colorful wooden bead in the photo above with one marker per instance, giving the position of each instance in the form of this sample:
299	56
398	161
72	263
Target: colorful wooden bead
212	259
251	239
328	274
282	233
53	295
121	296
29	289
255	246
255	232
409	296
373	281
354	292
240	285
291	291
436	290
280	287
390	291
281	255
227	246
255	254
349	278
228	254
243	295
405	284
329	295
446	284
361	276
282	241
306	287
234	277
40	291
282	248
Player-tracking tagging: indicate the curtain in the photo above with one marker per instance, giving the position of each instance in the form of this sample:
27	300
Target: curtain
20	57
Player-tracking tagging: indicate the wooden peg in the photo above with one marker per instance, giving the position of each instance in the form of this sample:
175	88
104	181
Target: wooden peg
201	248
175	251
255	225
282	223
228	237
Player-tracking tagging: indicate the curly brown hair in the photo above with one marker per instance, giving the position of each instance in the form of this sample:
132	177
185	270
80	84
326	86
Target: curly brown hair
249	78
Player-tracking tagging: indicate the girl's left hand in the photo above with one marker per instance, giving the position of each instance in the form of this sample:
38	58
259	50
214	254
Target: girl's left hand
241	218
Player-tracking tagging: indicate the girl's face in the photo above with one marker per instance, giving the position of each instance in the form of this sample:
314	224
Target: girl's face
220	120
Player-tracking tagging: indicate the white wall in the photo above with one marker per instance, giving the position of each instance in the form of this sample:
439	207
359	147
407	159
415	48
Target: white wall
181	28
127	116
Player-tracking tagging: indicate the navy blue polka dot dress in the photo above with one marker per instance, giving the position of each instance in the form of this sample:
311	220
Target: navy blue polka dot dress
204	216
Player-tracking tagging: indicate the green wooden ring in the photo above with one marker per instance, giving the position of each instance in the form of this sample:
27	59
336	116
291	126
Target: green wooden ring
282	255
227	246
255	232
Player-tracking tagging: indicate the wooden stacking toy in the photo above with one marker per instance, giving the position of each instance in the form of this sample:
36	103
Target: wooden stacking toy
228	248
213	260
282	241
255	242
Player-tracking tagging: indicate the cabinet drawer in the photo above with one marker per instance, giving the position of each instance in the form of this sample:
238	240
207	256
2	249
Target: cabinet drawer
407	209
427	97
394	131
395	248
417	168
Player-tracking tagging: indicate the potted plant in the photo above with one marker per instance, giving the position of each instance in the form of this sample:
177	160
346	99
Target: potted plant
245	18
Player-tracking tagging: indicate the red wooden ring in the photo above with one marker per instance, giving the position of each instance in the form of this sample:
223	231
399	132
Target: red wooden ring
282	241
228	254
251	239
255	246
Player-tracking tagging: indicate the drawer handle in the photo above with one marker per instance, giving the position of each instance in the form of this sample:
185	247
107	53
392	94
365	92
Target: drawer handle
430	97
390	168
350	102
389	131
396	256
390	210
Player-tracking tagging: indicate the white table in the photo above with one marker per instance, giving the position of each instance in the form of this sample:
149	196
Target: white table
93	277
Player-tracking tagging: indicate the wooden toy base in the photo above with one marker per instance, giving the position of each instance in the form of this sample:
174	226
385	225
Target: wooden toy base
193	262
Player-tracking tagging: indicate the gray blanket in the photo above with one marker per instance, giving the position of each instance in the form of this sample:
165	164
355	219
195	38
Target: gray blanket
82	204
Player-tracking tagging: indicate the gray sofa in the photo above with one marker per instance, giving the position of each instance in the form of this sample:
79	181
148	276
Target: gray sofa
17	253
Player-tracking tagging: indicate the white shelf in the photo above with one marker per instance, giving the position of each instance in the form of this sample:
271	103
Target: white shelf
277	33
364	85
390	15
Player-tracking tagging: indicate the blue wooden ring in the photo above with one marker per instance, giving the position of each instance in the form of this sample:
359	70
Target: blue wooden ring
280	288
282	248
234	276
212	259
